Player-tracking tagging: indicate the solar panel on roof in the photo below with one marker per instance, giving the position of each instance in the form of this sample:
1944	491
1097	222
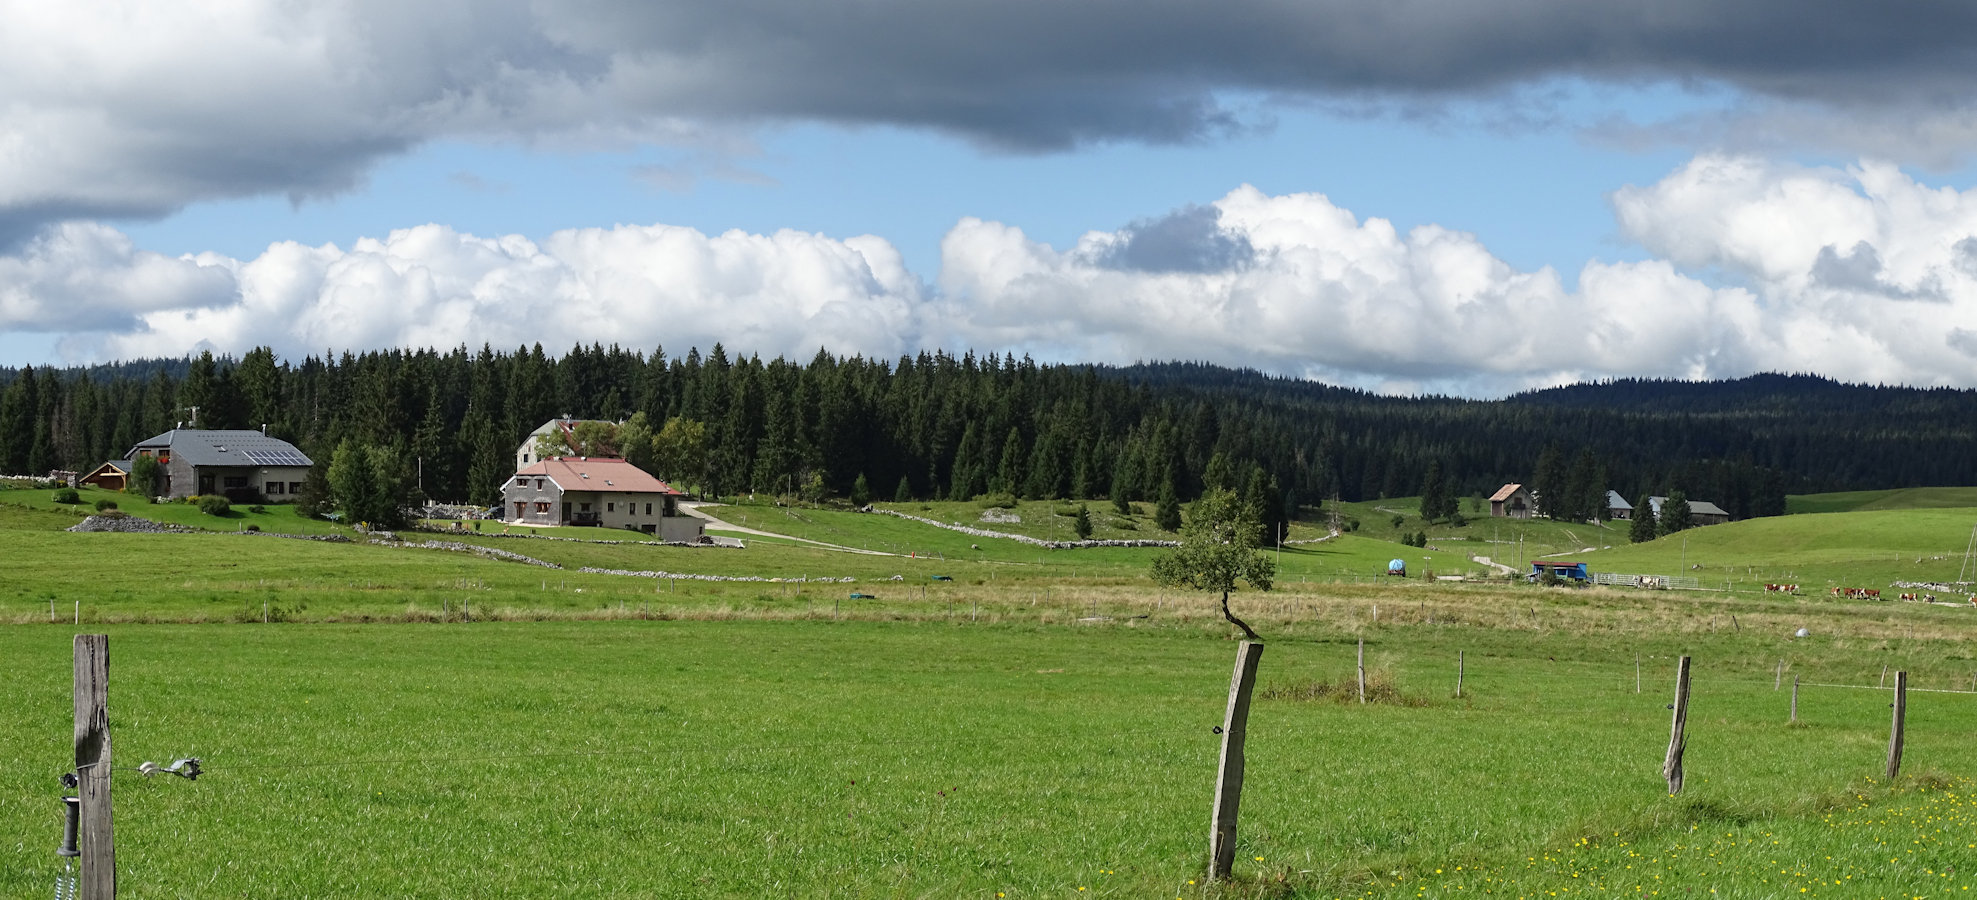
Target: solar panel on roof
276	458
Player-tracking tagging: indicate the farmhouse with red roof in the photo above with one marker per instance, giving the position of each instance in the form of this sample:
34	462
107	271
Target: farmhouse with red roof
612	493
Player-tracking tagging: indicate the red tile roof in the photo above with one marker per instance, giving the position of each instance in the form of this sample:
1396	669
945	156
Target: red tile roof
577	473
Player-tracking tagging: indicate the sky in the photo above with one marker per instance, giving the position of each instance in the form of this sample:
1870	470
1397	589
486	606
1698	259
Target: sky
1412	196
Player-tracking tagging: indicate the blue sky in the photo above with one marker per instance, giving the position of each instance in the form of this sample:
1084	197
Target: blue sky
1412	197
1535	194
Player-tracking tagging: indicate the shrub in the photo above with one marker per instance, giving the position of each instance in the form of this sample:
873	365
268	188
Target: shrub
215	505
1125	525
1004	500
105	503
257	509
253	528
67	495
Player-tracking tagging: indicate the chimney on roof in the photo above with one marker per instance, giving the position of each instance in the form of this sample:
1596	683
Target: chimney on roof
264	429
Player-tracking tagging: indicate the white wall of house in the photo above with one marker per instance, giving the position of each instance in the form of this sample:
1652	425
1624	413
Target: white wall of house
538	500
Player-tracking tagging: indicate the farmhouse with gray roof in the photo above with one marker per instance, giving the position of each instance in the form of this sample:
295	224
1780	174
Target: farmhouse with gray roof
244	466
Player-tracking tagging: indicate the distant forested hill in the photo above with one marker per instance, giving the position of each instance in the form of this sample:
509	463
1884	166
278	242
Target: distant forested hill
939	425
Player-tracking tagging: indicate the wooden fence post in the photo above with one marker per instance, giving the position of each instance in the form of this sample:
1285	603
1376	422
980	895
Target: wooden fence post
1362	670
1884	675
92	745
1228	775
1795	698
1779	679
1895	731
1671	767
1458	674
1637	671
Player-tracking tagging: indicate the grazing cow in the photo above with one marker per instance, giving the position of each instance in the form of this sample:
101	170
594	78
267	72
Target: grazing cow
1908	597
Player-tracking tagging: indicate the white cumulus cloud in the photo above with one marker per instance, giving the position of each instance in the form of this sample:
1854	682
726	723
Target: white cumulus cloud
1327	295
789	292
1862	274
81	276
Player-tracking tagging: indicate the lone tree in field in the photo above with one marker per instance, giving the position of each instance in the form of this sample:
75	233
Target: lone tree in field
1218	548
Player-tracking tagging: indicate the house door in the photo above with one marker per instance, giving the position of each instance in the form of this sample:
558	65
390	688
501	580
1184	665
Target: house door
566	513
205	485
519	507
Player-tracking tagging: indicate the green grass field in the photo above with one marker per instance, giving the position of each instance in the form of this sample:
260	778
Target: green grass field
1040	726
858	759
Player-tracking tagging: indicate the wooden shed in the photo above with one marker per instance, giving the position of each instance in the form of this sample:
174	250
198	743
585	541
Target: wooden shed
110	476
1512	501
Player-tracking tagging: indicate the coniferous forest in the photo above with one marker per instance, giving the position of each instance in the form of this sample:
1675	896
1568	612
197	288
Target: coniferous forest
942	426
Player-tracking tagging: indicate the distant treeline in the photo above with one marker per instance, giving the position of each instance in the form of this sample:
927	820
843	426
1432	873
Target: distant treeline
937	425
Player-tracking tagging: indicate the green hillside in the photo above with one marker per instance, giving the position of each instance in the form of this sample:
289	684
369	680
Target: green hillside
1899	498
1847	549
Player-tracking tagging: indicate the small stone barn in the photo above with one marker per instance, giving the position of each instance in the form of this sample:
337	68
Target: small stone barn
1512	501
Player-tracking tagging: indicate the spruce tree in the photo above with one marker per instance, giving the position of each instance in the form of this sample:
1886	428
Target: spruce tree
1436	502
1167	513
1642	528
1009	474
1082	524
1548	485
1675	513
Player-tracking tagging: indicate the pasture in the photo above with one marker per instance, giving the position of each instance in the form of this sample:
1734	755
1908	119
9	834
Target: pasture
432	723
736	758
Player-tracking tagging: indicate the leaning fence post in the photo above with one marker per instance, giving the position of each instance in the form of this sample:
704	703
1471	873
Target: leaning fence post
1671	767
92	746
1362	670
1779	679
1228	775
1895	731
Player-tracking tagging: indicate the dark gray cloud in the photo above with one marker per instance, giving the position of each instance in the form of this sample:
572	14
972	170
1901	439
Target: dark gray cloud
1859	270
107	113
1189	239
1963	341
1042	74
